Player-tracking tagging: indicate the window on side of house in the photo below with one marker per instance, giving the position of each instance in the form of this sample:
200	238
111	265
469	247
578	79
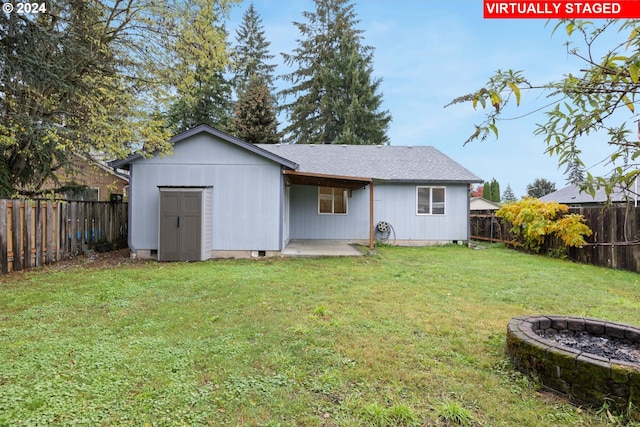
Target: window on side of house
332	201
430	200
83	193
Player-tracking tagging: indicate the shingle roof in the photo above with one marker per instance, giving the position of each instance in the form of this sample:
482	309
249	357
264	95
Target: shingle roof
571	194
388	162
124	163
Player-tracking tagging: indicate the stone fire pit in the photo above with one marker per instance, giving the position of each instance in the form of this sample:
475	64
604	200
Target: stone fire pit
590	361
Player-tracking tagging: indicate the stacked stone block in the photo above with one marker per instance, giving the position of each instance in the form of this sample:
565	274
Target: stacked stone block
583	377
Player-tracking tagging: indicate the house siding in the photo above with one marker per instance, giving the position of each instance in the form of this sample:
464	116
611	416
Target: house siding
90	175
246	207
307	223
393	203
396	204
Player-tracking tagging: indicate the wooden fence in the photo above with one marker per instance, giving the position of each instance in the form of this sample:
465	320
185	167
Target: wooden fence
615	241
37	232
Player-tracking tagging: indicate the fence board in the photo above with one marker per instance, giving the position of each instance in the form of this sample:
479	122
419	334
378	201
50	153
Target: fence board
38	240
49	234
16	246
26	235
74	229
33	233
61	236
4	264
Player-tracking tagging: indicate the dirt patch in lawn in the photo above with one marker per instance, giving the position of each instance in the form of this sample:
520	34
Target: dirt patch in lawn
93	260
99	260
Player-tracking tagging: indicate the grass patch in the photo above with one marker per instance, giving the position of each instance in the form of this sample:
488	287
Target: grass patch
410	336
452	412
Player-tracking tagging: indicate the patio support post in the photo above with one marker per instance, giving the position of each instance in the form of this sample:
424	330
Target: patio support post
371	214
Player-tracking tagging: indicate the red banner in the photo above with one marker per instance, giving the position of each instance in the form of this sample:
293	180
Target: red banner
588	9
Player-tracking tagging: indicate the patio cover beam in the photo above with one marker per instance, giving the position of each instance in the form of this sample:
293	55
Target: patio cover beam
325	180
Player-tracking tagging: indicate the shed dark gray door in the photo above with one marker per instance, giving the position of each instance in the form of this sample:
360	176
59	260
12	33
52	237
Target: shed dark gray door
180	225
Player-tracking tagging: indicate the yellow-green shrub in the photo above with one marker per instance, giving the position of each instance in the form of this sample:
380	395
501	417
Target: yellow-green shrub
533	221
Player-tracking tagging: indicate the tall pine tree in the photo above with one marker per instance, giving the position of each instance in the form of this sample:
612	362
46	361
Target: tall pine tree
486	191
540	187
575	172
508	195
335	98
255	117
255	111
199	92
495	191
208	101
251	54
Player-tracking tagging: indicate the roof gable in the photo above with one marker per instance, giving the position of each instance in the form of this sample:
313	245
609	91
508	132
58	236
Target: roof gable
386	162
480	204
185	136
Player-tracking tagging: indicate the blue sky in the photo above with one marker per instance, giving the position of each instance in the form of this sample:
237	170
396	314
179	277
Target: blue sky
429	52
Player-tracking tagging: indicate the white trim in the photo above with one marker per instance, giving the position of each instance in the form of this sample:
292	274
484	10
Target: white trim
431	188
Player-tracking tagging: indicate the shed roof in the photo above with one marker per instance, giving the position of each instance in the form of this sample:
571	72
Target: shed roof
482	204
572	195
387	162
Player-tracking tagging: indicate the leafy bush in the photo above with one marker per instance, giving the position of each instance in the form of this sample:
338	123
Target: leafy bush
533	221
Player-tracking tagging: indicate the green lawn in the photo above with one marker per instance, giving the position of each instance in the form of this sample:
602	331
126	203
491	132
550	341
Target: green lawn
410	336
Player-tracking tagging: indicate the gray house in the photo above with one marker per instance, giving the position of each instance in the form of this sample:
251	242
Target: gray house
218	196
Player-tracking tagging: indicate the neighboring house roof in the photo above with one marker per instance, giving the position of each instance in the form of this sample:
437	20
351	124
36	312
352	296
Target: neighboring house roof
481	204
386	162
124	163
571	195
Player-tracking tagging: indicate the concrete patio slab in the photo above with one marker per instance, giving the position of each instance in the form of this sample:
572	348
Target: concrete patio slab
320	248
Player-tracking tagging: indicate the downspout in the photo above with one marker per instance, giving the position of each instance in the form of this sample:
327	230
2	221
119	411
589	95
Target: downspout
281	210
130	214
469	215
371	214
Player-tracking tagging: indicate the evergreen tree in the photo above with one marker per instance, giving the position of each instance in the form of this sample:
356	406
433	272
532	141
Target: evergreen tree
335	97
251	55
486	191
540	187
208	101
198	93
575	172
495	191
508	195
255	117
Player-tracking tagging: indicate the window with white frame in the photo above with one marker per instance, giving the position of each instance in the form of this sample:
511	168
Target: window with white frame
332	201
430	200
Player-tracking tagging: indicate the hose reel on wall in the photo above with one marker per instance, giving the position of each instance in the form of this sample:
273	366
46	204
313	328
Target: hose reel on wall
383	231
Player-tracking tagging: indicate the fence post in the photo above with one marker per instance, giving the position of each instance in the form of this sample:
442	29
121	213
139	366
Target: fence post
17	241
4	231
26	226
38	239
49	233
73	228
